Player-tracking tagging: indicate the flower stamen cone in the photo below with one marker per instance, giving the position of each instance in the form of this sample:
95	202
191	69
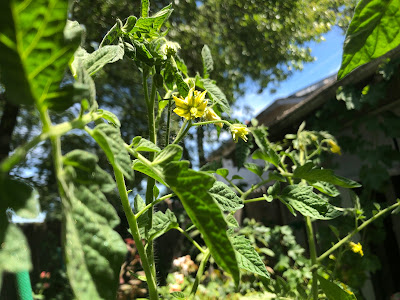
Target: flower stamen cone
356	248
334	147
193	106
239	131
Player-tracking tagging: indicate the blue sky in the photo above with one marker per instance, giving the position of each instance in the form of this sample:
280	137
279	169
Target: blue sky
328	56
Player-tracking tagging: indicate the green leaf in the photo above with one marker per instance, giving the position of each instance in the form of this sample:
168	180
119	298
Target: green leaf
305	201
267	153
256	169
109	139
109	116
232	222
154	172
94	252
216	95
326	188
274	189
333	291
225	197
67	96
34	49
192	189
312	173
162	222
170	153
129	24
141	144
222	172
112	34
181	85
208	63
247	256
237	177
96	60
373	31
15	255
242	151
178	295
153	23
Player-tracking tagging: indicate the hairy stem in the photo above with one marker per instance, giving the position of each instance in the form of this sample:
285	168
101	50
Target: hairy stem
130	216
313	256
200	272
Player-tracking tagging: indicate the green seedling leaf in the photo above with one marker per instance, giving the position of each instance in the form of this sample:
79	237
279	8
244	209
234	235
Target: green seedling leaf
222	172
208	63
109	139
247	256
371	33
225	197
170	153
312	173
34	49
333	291
109	116
256	169
216	95
192	189
305	201
142	145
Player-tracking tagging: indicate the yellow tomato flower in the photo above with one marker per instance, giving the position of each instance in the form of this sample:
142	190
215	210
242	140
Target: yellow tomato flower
239	131
210	115
193	106
356	248
334	147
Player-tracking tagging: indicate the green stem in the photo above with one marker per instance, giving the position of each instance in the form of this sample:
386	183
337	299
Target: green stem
253	188
212	122
168	123
130	216
150	181
200	272
313	256
191	240
359	228
234	186
153	204
182	132
52	131
254	200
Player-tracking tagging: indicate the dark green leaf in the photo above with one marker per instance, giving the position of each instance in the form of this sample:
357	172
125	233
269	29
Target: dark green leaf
109	139
222	172
192	189
34	52
170	153
178	295
112	34
141	144
182	86
248	257
333	291
312	173
162	222
242	151
373	31
305	201
225	197
326	188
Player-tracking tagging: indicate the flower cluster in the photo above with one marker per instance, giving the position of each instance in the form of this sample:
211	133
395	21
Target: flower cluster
193	106
239	131
356	248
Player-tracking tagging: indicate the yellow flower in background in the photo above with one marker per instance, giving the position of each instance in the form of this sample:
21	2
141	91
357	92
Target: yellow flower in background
239	131
210	115
193	106
334	147
356	248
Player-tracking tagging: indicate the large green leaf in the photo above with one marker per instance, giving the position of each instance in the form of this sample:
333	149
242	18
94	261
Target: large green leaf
225	197
192	189
313	174
34	51
304	200
374	30
215	93
248	257
162	222
153	23
333	291
94	251
109	139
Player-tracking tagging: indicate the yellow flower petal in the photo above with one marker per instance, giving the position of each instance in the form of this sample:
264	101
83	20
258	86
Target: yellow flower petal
183	113
180	102
190	98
